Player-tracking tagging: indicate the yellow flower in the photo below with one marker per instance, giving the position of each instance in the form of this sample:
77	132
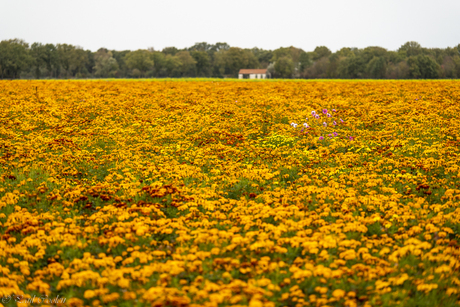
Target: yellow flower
89	294
338	293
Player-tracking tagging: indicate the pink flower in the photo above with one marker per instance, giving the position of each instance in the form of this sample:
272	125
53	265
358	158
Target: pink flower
321	138
324	124
313	113
335	133
333	110
324	111
341	120
329	115
335	123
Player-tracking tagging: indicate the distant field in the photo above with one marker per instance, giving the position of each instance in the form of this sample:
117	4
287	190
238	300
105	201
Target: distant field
127	193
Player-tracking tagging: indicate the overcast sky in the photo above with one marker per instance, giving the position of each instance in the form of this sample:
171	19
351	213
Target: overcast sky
139	24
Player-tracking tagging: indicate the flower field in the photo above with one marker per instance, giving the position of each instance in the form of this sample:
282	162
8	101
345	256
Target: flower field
213	193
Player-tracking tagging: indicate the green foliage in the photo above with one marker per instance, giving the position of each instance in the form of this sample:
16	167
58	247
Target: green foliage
105	64
220	60
13	58
188	63
423	66
140	60
377	67
202	63
234	59
66	57
428	67
321	52
351	67
410	48
284	67
241	188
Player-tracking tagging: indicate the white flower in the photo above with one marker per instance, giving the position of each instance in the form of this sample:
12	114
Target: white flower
294	125
306	125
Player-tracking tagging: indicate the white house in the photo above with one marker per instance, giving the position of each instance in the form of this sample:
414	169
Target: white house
253	74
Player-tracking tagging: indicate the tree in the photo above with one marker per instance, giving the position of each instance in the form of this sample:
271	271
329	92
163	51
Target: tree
271	69
320	52
51	59
319	69
292	52
332	65
414	69
448	68
188	64
172	65
14	58
201	47
280	52
37	53
170	50
203	63
345	52
300	59
370	52
429	69
423	66
456	60
91	63
350	67
263	56
397	70
221	46
120	56
159	64
236	59
79	61
395	57
140	60
304	61
376	68
218	63
65	54
410	49
105	64
284	67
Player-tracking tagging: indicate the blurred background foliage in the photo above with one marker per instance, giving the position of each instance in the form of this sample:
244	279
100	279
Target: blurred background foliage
18	59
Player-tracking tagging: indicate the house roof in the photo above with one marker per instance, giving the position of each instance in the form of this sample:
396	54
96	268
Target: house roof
253	71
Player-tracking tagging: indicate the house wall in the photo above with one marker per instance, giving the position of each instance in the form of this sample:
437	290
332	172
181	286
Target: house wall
253	76
257	76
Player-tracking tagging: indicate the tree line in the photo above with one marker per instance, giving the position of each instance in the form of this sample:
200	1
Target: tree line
18	59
